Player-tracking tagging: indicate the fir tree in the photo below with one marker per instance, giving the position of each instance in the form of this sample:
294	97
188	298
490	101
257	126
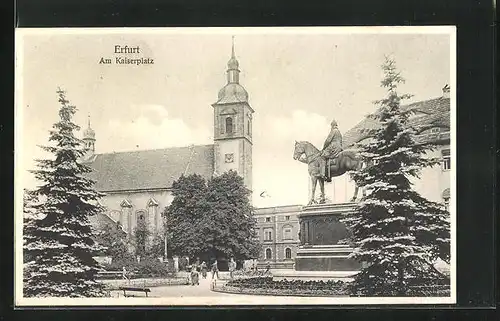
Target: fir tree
398	234
58	243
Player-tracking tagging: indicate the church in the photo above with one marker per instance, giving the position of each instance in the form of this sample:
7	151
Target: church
137	184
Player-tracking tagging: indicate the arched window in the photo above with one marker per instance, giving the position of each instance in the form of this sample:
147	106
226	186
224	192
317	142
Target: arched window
269	254
141	217
229	125
288	253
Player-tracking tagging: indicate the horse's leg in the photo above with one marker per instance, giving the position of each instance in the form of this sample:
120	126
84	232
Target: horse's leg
356	190
322	189
314	180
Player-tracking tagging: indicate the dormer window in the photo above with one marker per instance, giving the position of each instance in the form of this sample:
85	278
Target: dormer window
229	125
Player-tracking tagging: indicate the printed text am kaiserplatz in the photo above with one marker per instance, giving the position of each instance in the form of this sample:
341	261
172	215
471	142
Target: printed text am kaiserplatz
126	60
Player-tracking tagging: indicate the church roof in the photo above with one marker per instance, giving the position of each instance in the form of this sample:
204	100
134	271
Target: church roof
428	113
150	169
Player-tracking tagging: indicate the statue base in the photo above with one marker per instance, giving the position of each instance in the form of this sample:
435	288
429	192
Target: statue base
322	239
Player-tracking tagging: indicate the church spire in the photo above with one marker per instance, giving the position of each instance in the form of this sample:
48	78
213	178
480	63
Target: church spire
233	73
232	52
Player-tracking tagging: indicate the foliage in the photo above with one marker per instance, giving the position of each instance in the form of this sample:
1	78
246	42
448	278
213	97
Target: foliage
58	242
329	287
157	246
141	238
113	239
211	219
147	267
397	232
266	285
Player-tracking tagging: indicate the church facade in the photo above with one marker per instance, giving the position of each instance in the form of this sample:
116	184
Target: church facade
137	184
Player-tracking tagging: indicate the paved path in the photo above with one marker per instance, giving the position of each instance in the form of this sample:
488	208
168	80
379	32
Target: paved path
201	290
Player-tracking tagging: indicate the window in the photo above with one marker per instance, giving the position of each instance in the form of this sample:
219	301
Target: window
141	217
446	159
268	219
287	218
287	233
249	130
229	158
288	253
269	254
268	235
229	125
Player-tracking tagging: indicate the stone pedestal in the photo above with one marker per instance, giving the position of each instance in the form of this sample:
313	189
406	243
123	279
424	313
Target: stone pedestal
323	239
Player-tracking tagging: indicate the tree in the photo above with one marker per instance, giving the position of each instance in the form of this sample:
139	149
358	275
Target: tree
157	247
397	232
141	238
114	241
211	219
59	242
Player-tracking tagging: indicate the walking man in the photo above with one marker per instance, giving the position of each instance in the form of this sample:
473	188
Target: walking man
215	270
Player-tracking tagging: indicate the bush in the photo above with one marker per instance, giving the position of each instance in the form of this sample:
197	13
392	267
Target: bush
297	286
148	267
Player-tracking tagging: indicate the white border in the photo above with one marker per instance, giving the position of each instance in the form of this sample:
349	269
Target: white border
20	301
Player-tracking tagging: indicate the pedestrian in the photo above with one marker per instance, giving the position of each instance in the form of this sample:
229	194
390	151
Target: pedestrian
232	267
268	268
195	277
204	269
215	270
124	274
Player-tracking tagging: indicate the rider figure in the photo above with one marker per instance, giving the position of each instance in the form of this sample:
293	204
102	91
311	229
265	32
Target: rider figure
331	149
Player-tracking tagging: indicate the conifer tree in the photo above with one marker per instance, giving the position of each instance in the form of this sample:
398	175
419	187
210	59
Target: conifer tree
58	243
397	233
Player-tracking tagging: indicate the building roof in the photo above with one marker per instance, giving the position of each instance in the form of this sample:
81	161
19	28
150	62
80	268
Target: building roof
150	169
428	113
278	209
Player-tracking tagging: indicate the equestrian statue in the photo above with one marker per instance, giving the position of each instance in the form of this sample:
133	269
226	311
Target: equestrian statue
331	161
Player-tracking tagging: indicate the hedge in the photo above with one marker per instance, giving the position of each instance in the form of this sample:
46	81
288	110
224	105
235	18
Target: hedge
266	285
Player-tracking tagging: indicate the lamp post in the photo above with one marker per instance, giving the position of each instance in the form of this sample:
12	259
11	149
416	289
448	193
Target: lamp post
165	251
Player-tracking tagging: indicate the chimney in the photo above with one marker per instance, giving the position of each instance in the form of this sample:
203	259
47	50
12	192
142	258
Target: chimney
446	91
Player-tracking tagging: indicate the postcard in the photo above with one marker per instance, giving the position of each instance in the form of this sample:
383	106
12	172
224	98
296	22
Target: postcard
235	166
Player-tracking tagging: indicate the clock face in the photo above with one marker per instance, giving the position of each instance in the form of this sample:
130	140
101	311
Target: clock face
229	158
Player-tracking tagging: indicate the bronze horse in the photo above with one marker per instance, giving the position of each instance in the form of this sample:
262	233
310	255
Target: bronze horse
347	160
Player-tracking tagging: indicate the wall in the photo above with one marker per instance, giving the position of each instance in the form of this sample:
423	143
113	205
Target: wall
139	202
278	221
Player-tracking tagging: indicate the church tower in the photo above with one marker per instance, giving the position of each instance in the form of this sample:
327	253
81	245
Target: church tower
89	142
233	126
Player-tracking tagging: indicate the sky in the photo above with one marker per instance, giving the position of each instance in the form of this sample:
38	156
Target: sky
298	80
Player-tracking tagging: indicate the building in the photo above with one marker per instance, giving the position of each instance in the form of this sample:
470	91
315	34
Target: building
431	119
278	231
137	184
